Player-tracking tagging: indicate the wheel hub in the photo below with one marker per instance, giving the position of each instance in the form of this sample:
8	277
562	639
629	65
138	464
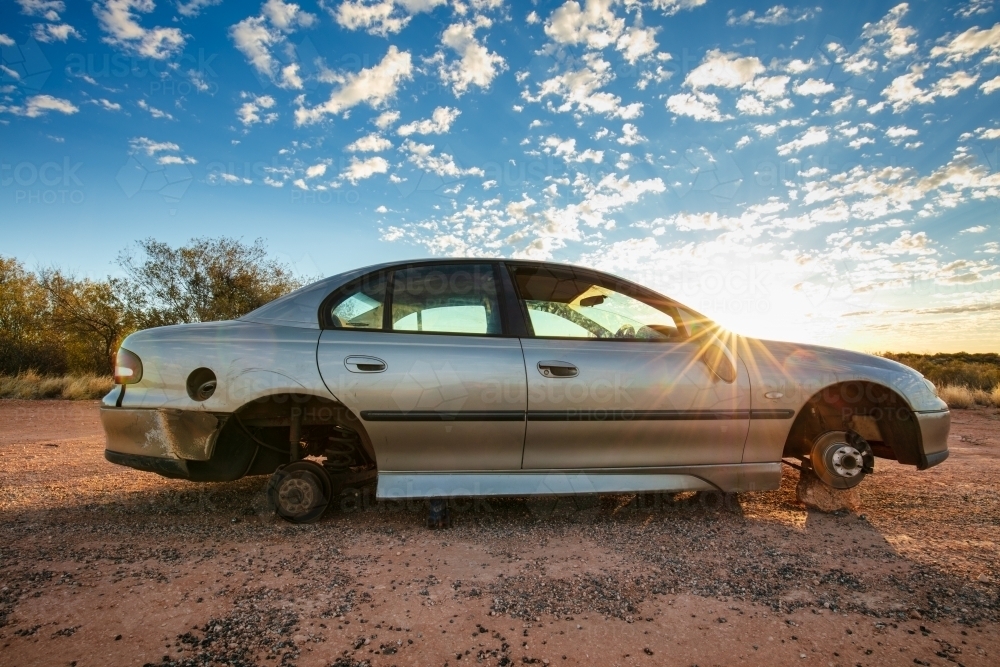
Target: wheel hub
296	496
846	461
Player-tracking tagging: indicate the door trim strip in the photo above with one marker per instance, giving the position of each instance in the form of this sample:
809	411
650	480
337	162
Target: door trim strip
569	415
436	416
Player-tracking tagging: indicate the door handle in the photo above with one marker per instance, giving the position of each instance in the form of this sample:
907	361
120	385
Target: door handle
359	364
557	369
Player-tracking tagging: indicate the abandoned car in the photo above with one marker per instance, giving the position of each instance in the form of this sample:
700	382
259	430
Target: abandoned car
479	377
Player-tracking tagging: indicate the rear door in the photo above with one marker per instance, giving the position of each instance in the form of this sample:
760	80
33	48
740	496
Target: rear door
422	355
615	378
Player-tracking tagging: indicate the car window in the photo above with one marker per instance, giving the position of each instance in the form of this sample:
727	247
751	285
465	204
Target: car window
459	298
562	303
360	305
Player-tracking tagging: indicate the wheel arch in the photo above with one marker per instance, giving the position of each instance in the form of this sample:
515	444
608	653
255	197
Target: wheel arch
881	415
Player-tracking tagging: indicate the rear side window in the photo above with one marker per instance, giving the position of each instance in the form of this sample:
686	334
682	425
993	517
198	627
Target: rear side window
459	299
360	304
563	303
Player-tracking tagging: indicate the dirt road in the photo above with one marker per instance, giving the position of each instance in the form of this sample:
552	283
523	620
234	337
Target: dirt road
102	565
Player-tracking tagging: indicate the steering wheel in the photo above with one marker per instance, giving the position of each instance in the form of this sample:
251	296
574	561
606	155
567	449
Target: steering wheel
626	331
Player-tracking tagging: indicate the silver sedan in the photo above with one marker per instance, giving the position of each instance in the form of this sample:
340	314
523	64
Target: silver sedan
475	377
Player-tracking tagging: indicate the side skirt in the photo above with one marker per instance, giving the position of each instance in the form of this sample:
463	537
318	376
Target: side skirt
726	478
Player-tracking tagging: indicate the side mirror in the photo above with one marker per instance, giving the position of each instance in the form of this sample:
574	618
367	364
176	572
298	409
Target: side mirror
719	359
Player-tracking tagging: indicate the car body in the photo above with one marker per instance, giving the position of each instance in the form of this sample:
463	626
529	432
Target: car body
461	377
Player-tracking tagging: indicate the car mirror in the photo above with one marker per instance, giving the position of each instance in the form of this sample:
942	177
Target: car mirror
592	300
719	359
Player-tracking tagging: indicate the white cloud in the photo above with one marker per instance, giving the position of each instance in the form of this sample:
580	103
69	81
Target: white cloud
107	105
726	70
154	148
798	66
39	105
900	132
594	25
119	19
54	32
316	170
630	135
475	65
777	15
890	36
989	134
969	43
380	17
580	89
443	165
698	105
371	143
439	123
978	229
385	119
637	43
6	41
904	90
813	88
372	86
566	149
257	37
671	7
192	8
991	85
249	112
153	111
814	136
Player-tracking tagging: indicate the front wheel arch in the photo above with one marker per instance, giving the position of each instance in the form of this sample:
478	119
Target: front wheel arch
878	413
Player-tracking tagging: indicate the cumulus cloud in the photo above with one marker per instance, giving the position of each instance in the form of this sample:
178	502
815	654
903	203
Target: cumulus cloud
192	8
813	136
370	143
725	70
593	25
697	105
379	17
53	30
776	15
636	43
257	37
905	91
439	123
580	90
39	105
475	65
119	19
373	86
153	111
422	155
969	43
254	110
813	88
165	152
385	119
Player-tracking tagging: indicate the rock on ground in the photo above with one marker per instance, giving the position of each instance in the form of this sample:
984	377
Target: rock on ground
816	495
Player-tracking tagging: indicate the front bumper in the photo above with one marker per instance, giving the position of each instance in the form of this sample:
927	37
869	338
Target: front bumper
934	427
168	435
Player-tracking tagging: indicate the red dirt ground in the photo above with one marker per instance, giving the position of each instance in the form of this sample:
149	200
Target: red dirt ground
103	565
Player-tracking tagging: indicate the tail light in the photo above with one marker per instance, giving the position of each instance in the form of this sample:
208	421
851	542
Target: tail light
128	367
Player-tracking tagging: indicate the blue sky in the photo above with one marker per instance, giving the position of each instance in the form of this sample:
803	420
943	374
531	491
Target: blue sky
795	171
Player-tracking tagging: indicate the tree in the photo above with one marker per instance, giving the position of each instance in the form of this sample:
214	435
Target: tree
27	338
208	279
94	317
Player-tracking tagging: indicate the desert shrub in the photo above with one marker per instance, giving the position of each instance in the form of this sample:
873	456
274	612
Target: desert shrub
975	371
31	385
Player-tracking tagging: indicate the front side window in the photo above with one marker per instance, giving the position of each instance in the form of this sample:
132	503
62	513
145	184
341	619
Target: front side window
360	304
562	303
458	298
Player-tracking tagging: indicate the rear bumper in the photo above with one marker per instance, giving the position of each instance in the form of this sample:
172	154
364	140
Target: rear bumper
934	428
159	434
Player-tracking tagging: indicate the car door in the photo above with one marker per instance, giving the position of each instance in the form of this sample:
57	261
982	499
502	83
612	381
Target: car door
617	378
421	356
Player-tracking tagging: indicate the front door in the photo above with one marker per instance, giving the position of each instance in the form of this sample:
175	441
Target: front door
420	355
615	379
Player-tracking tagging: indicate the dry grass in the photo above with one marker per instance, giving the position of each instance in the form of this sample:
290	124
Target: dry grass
963	397
31	385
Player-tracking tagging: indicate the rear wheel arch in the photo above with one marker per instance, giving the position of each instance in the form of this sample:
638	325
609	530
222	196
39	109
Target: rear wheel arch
254	439
876	412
